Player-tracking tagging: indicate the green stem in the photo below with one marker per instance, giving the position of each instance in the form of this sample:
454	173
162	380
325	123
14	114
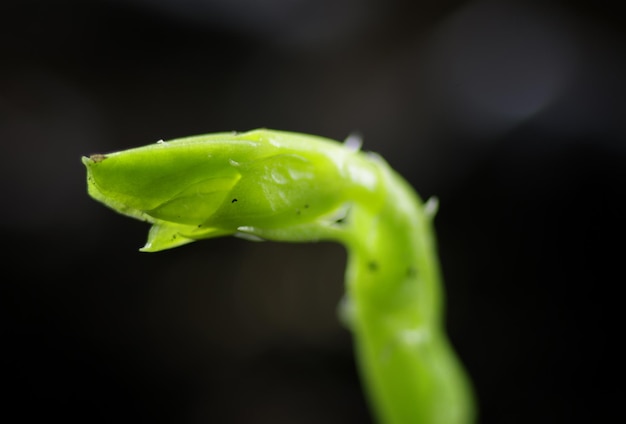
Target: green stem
393	279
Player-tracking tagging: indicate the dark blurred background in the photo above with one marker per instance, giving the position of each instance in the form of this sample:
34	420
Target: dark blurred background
511	112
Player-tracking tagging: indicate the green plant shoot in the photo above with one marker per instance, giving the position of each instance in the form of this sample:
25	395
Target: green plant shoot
282	186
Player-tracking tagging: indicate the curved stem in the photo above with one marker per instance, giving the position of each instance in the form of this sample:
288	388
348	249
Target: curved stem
393	279
293	187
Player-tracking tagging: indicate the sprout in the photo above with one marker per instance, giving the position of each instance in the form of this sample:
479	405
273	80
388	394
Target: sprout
276	185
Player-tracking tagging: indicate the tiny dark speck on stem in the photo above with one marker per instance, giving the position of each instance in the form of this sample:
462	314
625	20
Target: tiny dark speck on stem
233	201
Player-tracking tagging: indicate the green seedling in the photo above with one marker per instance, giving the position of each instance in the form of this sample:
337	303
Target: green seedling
291	187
